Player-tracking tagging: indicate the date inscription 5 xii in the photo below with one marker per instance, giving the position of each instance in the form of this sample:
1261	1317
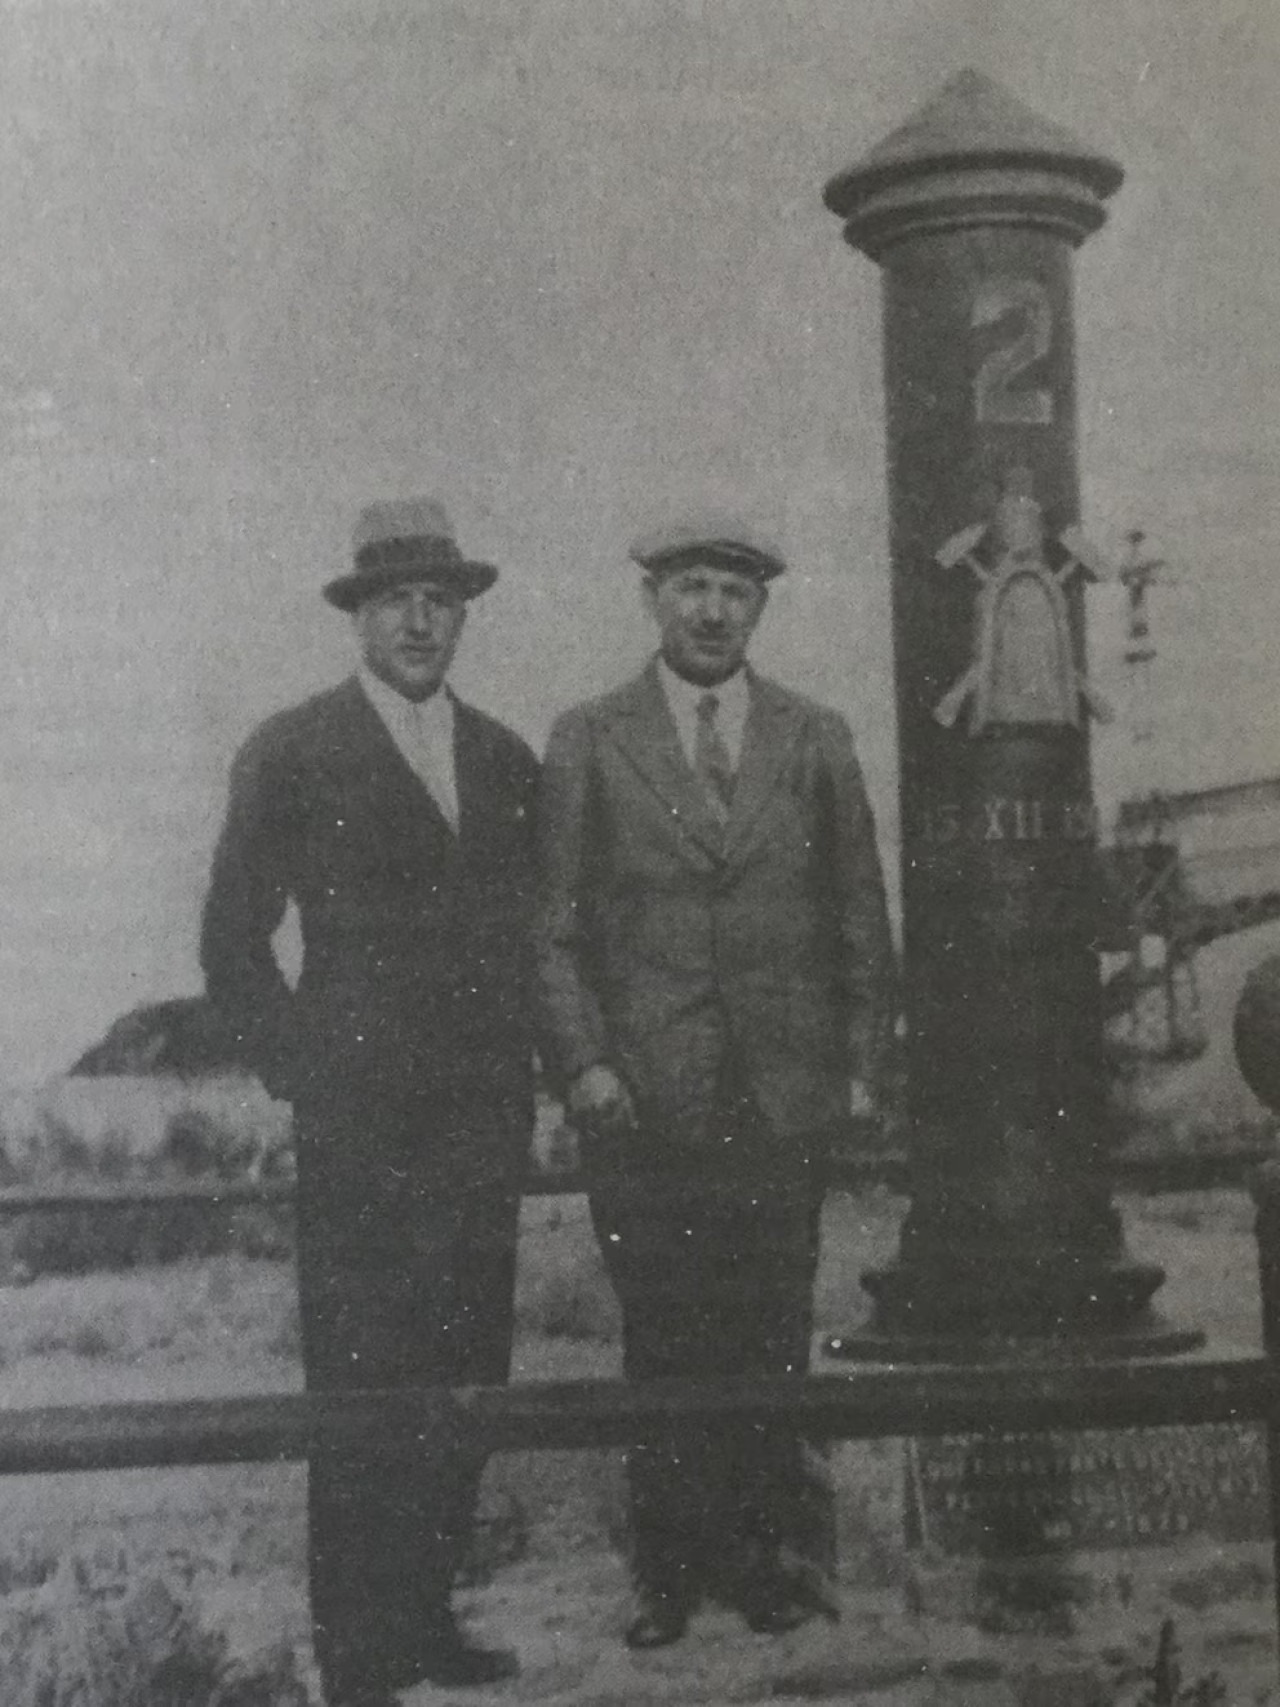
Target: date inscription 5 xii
1009	818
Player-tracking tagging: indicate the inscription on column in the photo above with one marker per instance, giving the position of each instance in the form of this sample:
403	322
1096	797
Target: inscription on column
1095	1489
1009	818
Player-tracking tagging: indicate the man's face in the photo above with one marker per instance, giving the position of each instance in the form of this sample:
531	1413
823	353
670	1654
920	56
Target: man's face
706	614
409	634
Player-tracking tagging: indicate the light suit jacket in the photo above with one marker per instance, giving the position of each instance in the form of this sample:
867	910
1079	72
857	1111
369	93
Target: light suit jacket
667	945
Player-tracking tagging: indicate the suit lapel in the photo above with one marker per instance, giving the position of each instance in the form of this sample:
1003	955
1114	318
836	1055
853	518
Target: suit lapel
641	724
774	724
471	772
380	767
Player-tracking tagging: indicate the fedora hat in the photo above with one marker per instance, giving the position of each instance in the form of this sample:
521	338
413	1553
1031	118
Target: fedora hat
710	537
406	539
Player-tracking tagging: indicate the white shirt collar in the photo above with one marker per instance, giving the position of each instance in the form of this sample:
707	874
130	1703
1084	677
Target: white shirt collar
733	695
425	715
423	731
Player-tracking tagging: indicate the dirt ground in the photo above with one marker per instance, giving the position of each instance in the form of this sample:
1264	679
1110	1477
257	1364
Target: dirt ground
910	1631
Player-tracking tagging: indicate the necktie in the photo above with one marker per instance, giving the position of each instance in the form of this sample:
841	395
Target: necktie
711	761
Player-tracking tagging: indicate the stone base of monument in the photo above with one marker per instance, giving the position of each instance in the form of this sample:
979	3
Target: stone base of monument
1152	1337
993	1309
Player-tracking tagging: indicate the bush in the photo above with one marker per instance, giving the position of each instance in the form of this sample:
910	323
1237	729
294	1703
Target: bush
145	1128
74	1134
95	1637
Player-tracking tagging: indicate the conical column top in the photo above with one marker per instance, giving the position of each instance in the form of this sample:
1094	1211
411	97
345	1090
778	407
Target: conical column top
976	141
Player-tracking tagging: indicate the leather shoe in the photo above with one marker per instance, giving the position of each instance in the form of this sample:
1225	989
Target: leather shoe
660	1619
450	1660
778	1601
465	1664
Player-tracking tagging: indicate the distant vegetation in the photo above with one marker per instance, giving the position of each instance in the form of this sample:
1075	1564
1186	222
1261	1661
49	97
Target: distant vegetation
78	1134
158	1098
183	1037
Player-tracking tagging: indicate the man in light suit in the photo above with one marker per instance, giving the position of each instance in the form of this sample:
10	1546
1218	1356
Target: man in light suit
399	821
714	960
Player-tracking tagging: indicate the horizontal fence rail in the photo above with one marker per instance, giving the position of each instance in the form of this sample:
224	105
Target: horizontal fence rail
1195	1171
560	1415
1013	1397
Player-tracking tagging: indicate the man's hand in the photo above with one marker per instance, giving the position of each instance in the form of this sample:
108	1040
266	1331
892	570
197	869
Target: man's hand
600	1102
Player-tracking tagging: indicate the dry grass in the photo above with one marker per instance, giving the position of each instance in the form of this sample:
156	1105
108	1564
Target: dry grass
100	1633
225	1308
186	1588
106	1581
76	1133
237	1309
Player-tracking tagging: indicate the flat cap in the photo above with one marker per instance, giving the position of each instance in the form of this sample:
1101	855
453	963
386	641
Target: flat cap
406	539
709	536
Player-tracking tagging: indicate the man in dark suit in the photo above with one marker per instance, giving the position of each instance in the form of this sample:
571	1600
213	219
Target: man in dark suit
713	963
399	822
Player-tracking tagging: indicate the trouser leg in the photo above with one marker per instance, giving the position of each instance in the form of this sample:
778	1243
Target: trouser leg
374	1562
646	1255
776	1503
722	1287
717	1283
474	1348
387	1527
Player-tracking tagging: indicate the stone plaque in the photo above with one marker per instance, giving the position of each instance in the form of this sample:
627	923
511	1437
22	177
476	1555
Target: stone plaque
1011	1495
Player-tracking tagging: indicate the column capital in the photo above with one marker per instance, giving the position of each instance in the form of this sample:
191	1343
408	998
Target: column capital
972	156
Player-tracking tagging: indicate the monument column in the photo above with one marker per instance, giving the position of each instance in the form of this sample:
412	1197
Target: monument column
972	210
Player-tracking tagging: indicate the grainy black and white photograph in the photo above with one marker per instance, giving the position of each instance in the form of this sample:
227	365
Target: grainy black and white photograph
641	860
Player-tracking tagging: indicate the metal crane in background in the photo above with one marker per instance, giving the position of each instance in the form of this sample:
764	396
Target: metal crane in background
1184	869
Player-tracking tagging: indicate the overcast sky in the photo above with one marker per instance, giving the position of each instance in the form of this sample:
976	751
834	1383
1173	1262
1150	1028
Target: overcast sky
564	263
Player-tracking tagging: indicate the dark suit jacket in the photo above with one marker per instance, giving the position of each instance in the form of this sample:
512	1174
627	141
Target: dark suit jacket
667	946
415	991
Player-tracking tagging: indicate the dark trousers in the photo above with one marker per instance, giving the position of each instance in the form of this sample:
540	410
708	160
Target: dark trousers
425	1298
716	1280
